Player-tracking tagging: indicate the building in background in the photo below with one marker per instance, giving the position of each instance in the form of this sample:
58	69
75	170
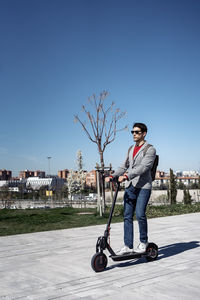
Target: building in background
91	179
53	183
5	174
186	177
160	174
190	173
28	173
40	174
63	173
13	184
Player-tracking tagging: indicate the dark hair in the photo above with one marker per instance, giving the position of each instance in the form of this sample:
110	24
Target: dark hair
142	126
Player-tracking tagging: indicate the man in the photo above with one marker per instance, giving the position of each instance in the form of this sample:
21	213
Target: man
136	172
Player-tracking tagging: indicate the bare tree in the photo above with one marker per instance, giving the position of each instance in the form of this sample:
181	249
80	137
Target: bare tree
103	119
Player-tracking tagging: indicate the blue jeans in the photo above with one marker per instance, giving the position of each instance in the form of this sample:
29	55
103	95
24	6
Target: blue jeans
135	200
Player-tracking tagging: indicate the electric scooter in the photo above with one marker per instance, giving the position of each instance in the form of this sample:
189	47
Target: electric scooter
99	260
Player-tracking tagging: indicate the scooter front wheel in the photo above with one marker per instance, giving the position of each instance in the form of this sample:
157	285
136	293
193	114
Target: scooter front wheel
99	262
152	252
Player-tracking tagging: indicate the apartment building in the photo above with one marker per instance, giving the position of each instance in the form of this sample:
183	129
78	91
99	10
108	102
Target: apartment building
63	173
40	174
91	179
5	174
28	173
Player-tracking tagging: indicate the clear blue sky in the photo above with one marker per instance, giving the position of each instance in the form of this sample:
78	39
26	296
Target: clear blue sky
54	54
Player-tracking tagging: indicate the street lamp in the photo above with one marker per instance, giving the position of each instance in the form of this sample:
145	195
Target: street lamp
49	157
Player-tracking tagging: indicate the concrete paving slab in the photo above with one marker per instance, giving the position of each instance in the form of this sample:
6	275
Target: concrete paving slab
56	264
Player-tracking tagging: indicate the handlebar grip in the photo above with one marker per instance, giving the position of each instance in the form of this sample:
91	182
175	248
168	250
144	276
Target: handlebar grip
115	179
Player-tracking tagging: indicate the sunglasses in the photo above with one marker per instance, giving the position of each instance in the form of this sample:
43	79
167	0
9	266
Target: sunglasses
136	131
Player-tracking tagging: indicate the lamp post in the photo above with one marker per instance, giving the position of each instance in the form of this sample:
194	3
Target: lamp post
49	157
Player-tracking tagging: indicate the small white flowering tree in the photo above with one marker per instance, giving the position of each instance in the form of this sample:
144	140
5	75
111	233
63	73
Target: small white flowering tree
79	160
71	183
76	179
81	175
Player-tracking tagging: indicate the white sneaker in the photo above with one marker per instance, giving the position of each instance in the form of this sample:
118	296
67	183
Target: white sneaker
124	250
141	248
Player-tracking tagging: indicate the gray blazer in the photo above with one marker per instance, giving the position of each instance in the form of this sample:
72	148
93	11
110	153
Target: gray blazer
138	169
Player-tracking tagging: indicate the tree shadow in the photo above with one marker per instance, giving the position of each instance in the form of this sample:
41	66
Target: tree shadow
163	252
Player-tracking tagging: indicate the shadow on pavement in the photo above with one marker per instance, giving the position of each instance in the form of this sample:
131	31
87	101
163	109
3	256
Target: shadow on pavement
163	252
126	264
174	249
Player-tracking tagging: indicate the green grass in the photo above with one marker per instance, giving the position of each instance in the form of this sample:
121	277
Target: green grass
34	220
171	210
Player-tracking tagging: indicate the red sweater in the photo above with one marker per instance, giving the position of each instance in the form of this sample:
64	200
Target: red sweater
136	149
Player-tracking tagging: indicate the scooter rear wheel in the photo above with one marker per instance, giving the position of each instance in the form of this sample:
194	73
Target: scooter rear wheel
99	262
152	252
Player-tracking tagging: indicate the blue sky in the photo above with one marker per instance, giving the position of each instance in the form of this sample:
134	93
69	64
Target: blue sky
54	54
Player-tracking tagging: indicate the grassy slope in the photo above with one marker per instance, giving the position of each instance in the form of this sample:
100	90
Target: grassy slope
35	220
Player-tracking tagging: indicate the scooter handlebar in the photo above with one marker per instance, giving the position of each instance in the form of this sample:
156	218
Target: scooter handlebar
114	179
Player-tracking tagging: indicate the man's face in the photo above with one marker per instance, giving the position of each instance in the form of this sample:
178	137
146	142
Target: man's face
138	135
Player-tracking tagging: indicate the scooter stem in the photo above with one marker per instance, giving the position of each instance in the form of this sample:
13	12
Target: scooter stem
112	210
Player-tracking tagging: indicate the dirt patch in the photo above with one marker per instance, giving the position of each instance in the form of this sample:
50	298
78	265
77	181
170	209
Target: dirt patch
85	213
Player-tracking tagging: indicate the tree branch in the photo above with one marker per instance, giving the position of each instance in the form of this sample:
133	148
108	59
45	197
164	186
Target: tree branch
84	127
101	123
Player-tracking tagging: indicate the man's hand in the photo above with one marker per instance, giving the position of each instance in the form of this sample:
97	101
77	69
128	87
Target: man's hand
122	178
107	179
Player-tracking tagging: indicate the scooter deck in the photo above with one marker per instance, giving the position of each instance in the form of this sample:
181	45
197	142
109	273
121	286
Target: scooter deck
130	255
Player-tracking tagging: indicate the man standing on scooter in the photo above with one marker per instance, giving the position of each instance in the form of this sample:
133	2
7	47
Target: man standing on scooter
136	172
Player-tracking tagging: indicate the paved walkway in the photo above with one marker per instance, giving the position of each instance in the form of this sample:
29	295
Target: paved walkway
56	264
